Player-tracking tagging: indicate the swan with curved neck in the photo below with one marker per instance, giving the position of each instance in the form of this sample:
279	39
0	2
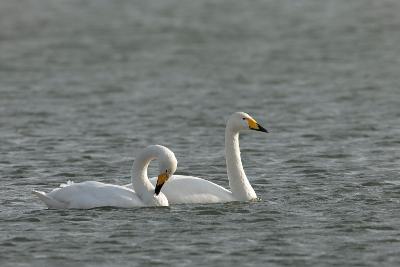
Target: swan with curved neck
92	194
188	189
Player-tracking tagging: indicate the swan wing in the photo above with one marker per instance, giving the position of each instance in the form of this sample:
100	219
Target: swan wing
90	194
181	189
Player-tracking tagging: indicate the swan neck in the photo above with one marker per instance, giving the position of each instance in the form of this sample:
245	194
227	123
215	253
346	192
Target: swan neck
238	182
140	180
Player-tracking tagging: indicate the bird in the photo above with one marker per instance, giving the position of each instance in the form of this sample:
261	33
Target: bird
182	189
93	194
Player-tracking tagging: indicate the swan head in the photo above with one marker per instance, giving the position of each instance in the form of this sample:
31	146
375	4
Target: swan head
240	121
167	167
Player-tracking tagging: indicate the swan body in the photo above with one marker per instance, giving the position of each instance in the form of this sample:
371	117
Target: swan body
182	189
188	189
92	194
88	195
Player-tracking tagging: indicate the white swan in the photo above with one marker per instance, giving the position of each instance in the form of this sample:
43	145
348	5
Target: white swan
91	194
188	189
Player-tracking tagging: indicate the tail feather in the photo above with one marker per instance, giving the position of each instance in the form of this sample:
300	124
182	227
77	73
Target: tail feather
49	201
68	183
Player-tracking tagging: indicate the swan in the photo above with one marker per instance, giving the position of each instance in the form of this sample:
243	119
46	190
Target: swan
182	189
92	194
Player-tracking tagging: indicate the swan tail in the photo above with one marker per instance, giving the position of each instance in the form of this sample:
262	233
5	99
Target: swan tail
68	183
49	201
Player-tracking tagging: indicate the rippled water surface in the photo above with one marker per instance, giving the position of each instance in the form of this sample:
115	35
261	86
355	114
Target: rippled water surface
84	85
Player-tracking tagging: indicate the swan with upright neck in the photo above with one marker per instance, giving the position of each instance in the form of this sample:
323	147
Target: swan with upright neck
188	189
92	194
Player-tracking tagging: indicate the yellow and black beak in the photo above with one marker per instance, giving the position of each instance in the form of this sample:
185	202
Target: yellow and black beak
253	125
162	178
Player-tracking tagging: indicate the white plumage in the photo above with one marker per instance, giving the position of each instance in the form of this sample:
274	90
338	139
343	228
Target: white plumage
188	189
92	194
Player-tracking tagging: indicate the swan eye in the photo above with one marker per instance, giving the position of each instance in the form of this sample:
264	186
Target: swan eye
243	118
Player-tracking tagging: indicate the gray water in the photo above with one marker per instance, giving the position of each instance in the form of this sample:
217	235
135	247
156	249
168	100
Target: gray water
84	85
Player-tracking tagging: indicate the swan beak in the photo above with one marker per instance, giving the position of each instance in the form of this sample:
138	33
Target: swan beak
253	125
162	178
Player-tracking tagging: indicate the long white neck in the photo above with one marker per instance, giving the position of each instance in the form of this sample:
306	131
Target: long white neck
238	182
140	180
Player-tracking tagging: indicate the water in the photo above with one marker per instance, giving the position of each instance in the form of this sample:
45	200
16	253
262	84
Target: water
85	84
